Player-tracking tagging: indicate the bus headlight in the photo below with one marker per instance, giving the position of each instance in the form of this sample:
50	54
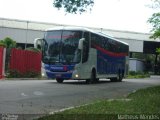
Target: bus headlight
43	74
76	75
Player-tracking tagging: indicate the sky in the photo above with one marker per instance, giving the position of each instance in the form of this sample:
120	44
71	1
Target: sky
127	15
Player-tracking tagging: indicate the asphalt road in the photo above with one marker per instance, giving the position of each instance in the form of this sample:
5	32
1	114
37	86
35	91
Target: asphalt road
45	96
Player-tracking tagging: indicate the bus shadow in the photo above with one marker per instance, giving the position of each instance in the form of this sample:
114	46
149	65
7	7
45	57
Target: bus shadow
83	82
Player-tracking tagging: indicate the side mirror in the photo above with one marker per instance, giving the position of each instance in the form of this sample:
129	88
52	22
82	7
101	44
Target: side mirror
80	45
38	43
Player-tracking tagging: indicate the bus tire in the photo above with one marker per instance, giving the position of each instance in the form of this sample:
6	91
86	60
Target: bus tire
92	78
120	77
87	81
97	80
113	79
59	80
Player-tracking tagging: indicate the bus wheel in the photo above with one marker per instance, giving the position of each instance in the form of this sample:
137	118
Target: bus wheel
114	79
97	80
88	81
59	80
92	78
120	77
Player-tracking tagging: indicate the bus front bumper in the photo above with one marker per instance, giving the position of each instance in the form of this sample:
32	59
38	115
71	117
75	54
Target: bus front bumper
63	75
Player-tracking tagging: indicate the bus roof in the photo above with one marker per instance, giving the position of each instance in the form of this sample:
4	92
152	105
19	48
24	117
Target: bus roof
70	28
85	29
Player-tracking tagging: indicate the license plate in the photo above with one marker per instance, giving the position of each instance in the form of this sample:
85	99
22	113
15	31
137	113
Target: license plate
58	75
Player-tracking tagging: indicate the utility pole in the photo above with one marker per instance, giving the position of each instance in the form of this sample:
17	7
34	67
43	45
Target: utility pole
26	35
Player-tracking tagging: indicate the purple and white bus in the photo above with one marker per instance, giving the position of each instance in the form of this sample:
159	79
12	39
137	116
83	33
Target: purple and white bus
81	54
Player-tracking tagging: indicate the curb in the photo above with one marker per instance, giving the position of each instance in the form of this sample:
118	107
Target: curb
155	76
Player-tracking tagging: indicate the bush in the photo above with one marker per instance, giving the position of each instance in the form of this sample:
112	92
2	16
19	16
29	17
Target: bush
10	43
2	44
33	49
28	74
139	74
13	74
31	74
132	73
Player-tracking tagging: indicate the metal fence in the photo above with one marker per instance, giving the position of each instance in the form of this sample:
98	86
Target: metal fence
2	62
24	61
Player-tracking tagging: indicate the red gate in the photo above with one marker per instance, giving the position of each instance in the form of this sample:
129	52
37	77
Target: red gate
24	61
2	62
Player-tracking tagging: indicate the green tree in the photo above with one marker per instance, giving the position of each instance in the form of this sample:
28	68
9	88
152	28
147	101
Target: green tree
156	4
2	44
9	44
74	6
155	21
158	50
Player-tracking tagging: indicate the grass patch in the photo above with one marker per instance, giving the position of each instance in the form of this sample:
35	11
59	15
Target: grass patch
144	101
133	74
137	76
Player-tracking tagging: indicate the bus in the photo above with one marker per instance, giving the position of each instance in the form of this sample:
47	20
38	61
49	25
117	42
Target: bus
79	53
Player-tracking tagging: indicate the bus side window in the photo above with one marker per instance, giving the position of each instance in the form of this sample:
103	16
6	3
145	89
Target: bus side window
85	47
87	37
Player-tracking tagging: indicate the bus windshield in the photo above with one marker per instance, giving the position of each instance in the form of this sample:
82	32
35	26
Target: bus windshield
61	47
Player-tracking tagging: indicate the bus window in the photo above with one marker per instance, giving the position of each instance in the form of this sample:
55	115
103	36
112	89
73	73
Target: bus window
95	40
69	45
85	47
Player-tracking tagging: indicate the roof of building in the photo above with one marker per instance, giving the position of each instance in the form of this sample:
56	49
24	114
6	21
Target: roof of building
42	26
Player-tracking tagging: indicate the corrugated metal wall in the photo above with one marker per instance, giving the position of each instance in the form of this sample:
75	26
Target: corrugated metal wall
134	45
20	35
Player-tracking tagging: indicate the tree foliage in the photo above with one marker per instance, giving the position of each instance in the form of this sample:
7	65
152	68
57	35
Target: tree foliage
155	21
74	6
156	4
158	50
8	42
